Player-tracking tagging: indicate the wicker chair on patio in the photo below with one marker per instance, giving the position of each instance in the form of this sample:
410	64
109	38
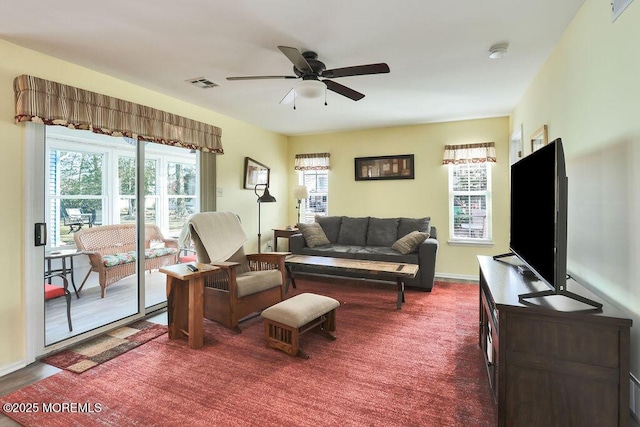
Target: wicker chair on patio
245	283
112	251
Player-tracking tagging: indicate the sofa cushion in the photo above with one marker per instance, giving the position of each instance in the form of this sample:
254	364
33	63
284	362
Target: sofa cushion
407	225
410	242
313	234
382	231
331	226
353	231
382	253
336	251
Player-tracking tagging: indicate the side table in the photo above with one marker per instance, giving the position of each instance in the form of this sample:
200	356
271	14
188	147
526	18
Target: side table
63	255
185	301
284	233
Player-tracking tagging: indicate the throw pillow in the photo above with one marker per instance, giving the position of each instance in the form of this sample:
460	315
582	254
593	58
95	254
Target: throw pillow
409	243
382	231
407	225
313	234
353	231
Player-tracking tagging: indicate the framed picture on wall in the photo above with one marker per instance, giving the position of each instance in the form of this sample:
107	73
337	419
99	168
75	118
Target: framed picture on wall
255	173
384	167
539	138
516	147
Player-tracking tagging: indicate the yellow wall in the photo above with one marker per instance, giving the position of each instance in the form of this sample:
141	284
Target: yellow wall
239	140
588	93
427	194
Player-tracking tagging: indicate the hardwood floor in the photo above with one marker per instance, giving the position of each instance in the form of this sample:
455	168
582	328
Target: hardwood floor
38	371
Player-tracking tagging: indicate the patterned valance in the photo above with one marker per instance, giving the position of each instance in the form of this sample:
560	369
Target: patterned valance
313	161
52	103
469	153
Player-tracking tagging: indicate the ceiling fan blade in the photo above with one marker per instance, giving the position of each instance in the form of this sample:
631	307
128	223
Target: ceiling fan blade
261	77
296	58
343	90
358	70
288	97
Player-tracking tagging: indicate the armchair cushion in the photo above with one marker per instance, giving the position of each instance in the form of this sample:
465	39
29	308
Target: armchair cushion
52	291
257	281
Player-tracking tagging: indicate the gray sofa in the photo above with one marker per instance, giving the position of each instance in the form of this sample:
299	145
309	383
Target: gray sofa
371	238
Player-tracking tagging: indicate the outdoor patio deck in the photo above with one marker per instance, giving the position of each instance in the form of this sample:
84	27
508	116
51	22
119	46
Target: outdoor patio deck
90	311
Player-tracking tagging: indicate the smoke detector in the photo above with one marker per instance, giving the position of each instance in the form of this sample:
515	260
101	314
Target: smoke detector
202	82
498	50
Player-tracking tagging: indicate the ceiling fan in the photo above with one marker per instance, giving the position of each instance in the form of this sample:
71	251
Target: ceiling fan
307	67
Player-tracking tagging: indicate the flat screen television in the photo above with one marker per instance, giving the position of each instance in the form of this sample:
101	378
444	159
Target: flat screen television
538	232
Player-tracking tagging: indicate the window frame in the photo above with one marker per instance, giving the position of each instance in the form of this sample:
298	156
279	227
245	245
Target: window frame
487	238
306	215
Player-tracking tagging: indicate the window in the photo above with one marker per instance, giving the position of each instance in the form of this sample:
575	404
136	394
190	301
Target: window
92	182
317	182
181	193
313	173
470	202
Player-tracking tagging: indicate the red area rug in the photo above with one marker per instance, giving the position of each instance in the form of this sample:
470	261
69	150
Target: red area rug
420	366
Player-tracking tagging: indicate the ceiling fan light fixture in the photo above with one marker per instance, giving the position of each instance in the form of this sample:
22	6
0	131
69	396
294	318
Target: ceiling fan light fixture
498	50
310	88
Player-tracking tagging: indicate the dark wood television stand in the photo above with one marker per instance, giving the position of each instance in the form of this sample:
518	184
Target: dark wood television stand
557	362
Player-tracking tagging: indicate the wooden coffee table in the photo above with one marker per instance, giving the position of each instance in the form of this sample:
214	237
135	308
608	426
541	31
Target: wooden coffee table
385	270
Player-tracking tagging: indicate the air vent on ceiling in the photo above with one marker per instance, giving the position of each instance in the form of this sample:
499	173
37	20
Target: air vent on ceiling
202	82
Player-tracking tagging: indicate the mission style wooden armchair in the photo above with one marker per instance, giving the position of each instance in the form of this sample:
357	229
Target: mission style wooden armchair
244	284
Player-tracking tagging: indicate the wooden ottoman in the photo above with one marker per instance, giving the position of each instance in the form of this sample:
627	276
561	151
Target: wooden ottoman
287	320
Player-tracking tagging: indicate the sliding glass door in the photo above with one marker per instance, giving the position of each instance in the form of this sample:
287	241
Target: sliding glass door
100	193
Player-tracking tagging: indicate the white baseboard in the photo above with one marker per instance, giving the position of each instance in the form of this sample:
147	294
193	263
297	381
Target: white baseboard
450	276
7	369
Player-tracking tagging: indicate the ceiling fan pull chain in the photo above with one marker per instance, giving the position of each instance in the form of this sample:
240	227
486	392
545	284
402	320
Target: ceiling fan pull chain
325	95
294	99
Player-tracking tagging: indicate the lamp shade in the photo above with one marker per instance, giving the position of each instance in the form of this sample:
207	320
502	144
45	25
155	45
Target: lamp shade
300	192
310	88
266	197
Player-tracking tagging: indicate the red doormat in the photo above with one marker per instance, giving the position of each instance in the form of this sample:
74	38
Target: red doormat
105	347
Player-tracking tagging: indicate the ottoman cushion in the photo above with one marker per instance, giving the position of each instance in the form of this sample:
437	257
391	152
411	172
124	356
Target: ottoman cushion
301	309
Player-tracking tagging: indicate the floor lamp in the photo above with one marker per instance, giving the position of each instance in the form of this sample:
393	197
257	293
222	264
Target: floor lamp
265	198
300	192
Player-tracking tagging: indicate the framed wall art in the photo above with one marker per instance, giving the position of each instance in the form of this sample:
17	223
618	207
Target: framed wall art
384	167
516	147
539	138
255	173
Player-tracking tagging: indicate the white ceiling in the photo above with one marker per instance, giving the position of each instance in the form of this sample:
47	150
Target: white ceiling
437	52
